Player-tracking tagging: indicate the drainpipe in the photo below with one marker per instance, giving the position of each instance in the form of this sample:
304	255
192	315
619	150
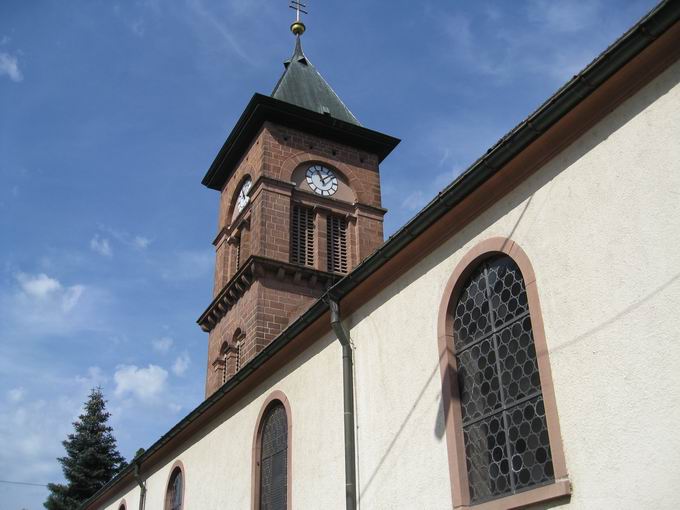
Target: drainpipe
348	399
142	487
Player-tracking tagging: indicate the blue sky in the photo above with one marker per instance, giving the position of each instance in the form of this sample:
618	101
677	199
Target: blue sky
110	114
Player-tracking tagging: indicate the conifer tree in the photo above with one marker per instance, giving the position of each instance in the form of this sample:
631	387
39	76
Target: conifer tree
92	457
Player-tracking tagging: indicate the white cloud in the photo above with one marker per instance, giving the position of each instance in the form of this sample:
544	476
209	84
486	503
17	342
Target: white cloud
38	286
95	377
41	305
9	65
181	364
143	383
162	344
71	297
16	394
566	15
414	200
208	20
138	27
175	407
125	238
32	432
549	44
101	246
42	287
141	242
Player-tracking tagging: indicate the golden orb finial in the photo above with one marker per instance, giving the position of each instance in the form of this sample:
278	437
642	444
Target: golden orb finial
298	27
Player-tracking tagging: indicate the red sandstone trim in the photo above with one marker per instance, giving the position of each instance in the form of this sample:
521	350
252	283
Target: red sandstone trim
447	366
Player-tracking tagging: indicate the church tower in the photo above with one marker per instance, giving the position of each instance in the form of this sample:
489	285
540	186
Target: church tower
300	207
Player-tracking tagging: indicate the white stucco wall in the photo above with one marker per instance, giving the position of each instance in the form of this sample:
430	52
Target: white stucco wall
599	224
217	466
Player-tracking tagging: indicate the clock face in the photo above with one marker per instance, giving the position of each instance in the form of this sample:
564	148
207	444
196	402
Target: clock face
243	198
322	180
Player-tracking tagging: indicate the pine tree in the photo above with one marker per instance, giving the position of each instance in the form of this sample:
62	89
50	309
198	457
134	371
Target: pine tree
92	458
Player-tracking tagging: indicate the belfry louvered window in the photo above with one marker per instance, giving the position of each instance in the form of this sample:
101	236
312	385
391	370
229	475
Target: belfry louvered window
274	459
336	239
302	236
507	448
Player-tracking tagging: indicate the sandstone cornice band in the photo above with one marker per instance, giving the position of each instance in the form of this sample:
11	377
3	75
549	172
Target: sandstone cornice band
257	267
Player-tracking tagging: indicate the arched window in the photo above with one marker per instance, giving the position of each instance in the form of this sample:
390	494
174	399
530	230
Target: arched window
174	496
224	353
239	352
502	429
238	345
272	458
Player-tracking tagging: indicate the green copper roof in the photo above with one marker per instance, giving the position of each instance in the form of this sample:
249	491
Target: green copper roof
302	85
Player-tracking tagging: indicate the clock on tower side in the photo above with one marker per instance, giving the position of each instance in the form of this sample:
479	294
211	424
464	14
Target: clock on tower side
298	212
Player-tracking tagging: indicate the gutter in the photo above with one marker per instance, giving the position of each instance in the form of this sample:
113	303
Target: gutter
565	99
348	404
142	485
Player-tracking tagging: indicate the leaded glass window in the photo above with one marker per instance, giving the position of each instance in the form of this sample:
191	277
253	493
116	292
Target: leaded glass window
273	459
507	448
173	498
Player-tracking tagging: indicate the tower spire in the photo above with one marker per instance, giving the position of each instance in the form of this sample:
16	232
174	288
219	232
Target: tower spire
298	27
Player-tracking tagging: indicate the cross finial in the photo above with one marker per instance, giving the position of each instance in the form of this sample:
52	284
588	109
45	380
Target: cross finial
298	27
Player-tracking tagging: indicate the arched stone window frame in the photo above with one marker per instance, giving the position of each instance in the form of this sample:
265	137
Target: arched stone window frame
176	467
447	365
276	397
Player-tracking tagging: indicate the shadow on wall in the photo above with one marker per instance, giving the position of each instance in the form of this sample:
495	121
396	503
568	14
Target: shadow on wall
521	196
439	428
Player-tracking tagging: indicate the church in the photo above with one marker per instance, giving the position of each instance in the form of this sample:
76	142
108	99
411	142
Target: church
513	345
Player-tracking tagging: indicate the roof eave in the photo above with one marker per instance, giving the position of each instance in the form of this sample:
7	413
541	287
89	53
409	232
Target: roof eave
263	108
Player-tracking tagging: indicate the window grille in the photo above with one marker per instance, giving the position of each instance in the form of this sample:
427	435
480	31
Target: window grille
239	355
173	498
302	236
336	239
224	367
505	433
274	460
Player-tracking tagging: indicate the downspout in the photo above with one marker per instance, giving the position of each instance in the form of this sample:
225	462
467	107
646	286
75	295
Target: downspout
142	487
348	399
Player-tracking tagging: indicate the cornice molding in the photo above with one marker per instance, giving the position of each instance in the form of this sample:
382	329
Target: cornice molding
259	267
